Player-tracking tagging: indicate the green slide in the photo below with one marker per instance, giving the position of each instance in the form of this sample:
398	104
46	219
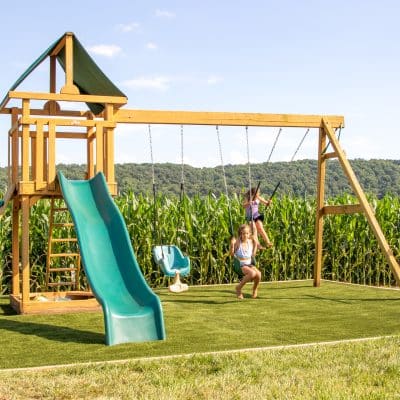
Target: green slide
132	311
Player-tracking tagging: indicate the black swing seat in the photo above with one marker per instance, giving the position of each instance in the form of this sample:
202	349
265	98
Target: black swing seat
171	260
237	268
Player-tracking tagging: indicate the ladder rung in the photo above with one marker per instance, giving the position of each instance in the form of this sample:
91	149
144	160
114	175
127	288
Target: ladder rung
63	269
64	255
60	209
64	240
61	284
63	224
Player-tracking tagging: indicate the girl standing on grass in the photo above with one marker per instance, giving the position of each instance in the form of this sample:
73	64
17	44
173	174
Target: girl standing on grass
252	200
244	248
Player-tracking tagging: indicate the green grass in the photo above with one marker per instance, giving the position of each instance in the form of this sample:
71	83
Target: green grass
208	319
364	370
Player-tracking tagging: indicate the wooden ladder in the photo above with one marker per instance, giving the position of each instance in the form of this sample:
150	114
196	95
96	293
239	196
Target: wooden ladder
63	258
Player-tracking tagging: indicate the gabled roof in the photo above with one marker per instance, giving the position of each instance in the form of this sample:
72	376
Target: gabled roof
87	76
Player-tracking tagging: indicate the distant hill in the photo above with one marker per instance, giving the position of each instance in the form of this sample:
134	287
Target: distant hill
297	178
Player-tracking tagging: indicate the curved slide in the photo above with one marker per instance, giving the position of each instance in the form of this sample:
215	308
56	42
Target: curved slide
132	311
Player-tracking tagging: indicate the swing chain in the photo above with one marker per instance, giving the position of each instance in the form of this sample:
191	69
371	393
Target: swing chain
301	142
224	177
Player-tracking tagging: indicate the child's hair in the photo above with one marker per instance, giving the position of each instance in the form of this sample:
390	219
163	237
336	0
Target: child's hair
240	231
251	193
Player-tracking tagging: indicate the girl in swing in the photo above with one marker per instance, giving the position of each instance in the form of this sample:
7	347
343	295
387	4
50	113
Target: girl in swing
244	248
252	200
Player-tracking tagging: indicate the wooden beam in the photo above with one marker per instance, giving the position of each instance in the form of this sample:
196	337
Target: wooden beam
342	209
78	98
25	249
369	213
69	87
51	165
66	122
224	118
16	289
319	220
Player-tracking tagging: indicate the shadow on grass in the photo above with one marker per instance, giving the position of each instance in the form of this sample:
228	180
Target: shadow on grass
6	309
52	332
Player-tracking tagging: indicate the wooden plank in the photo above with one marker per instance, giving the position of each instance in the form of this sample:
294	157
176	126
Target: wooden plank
69	86
66	122
369	213
109	145
25	249
342	209
46	112
329	155
61	135
59	46
51	166
319	221
37	162
79	98
16	290
10	193
99	147
223	118
25	143
90	152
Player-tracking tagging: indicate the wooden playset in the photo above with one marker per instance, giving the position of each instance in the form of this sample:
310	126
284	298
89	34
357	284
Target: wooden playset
39	120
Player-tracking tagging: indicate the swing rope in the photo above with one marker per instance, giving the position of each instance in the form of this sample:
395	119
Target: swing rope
225	183
182	196
301	142
156	233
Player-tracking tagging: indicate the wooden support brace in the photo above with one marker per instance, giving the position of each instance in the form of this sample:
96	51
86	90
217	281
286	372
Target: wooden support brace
369	213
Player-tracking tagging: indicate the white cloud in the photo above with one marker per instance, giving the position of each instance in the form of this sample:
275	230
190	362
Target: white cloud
158	83
213	80
133	26
164	14
151	46
105	50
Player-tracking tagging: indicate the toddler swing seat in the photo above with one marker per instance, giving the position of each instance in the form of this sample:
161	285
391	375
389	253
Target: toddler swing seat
173	264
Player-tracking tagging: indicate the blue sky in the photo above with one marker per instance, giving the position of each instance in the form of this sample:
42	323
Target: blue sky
314	57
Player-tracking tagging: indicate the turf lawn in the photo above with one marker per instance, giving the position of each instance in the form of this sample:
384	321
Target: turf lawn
207	319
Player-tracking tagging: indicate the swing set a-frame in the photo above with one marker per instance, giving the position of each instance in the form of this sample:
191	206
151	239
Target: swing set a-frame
40	119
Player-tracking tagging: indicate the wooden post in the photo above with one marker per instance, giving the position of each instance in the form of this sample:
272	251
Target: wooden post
69	87
16	290
109	146
25	250
51	169
89	150
25	141
319	222
37	161
99	147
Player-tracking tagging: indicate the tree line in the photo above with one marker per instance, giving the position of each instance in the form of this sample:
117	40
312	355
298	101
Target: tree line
296	178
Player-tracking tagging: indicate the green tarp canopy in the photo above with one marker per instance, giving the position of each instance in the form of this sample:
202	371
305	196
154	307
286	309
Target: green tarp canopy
88	77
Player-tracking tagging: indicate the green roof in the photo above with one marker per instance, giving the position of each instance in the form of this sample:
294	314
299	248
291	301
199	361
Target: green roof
88	77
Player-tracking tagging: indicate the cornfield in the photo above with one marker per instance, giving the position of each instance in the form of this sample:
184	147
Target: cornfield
201	227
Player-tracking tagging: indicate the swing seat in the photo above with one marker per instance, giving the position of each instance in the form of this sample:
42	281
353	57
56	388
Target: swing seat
237	268
171	260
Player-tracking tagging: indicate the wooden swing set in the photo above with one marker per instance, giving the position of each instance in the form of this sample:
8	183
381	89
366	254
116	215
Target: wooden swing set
40	119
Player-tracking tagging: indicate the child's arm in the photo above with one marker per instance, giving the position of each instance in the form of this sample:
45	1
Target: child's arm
264	201
232	246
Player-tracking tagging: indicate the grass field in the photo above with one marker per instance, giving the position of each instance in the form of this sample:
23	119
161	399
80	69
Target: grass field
206	319
346	371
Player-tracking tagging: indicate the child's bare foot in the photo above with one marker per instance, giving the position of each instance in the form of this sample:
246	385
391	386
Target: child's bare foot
255	294
239	294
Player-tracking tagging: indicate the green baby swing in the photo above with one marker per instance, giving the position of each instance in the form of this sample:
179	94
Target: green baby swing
169	257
